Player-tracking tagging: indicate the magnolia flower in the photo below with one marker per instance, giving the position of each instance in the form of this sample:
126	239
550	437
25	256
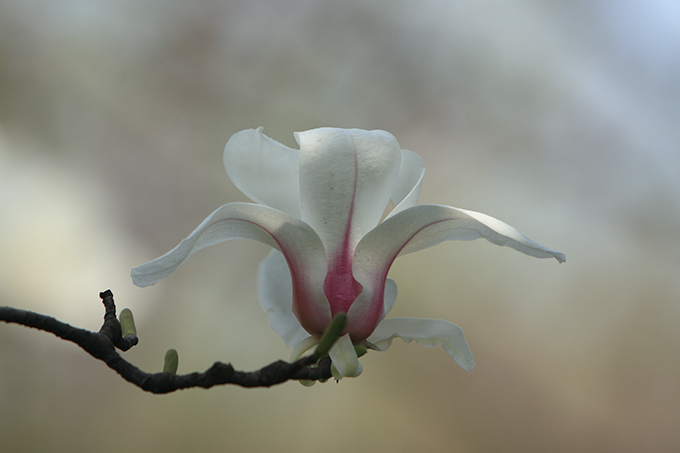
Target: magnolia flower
320	208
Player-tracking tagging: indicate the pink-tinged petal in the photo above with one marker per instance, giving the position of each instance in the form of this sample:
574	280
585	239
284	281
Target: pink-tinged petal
426	332
344	358
371	306
408	183
275	291
263	169
299	244
346	179
414	229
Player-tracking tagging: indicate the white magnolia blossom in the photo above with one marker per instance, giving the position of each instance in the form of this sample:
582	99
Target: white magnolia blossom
319	208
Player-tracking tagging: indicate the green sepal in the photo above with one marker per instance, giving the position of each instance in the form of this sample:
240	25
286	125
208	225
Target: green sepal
360	350
127	323
171	362
332	333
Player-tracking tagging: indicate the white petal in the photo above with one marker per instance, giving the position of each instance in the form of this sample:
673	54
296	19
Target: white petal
426	332
414	229
346	179
337	376
344	357
275	291
423	226
409	182
299	243
303	346
460	224
263	169
390	295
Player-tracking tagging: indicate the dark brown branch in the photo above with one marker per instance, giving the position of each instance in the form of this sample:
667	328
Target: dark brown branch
102	345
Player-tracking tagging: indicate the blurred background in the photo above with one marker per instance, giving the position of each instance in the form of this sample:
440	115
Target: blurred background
560	118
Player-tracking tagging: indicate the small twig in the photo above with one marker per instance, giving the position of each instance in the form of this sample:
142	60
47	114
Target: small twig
102	345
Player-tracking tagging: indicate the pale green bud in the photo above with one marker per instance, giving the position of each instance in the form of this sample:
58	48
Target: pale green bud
171	361
127	323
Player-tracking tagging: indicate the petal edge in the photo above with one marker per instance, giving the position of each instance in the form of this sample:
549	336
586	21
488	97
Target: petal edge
426	332
265	170
275	292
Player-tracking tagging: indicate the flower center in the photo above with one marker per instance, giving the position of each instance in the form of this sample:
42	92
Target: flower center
340	287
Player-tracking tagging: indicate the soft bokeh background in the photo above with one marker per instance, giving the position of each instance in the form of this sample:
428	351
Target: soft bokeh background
560	118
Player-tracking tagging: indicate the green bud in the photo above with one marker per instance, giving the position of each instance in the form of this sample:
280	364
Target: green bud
360	350
171	361
331	334
127	323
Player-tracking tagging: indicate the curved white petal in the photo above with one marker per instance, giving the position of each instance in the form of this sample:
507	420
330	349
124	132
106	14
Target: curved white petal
344	358
414	229
303	346
275	291
443	223
346	179
300	245
423	226
263	169
426	332
408	183
390	296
